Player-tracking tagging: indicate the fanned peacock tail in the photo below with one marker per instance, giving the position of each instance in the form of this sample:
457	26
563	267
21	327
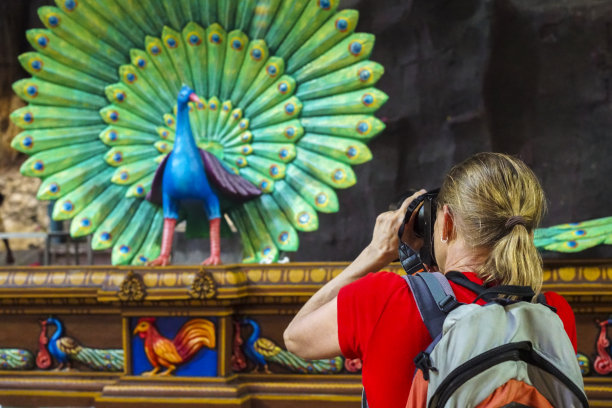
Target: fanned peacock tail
287	96
16	359
272	352
100	359
575	237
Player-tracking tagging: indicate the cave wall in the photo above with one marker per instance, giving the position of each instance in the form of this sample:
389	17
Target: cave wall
525	77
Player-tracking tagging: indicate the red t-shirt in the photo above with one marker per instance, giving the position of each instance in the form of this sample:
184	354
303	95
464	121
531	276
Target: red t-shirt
378	322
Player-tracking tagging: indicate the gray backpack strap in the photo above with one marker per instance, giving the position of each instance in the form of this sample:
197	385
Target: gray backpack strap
434	298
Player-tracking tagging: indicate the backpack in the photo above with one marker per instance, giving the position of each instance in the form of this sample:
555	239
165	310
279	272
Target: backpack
506	353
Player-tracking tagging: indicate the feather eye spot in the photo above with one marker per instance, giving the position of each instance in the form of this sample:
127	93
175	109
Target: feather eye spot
38	166
272	70
580	232
363	127
140	190
256	54
164	134
266	251
572	244
169	121
114	116
284	153
237	45
105	237
42	40
246	137
54	188
367	99
321	199
143	259
70	5
212	106
36	64
141	62
243	124
274	170
85	222
112	136
130	77
171	42
28	117
237	115
283	87
124	249
303	218
339	175
226	107
324	4
32	90
53	20
118	157
289	108
215	38
351	152
289	132
67	206
124	175
246	150
155	50
355	48
200	106
364	74
195	39
263	185
27	142
283	237
120	96
342	24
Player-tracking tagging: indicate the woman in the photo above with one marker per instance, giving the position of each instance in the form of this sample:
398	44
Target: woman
488	208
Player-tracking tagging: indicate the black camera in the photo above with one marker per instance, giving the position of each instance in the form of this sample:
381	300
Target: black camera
425	207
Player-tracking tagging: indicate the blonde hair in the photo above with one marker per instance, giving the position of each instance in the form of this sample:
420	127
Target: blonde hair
496	202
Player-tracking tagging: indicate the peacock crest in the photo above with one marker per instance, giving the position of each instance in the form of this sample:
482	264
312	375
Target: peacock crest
286	101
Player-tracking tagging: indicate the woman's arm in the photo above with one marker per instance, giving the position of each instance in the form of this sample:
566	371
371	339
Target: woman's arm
313	332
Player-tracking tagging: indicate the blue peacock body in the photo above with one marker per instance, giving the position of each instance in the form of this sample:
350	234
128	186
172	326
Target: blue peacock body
284	100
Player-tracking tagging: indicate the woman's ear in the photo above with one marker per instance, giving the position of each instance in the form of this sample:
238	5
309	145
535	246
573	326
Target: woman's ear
448	225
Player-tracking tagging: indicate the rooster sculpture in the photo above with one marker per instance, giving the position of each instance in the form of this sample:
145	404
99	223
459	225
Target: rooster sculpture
166	353
262	351
66	351
284	99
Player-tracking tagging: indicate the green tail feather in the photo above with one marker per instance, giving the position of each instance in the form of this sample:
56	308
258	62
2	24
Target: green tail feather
237	43
263	17
176	49
342	149
287	14
317	194
51	161
132	238
122	155
90	218
270	73
262	242
282	232
100	359
216	38
41	92
367	100
256	56
574	237
143	77
281	90
301	215
33	141
112	11
150	248
16	359
63	182
116	115
286	110
113	225
195	38
129	173
41	117
362	127
120	136
160	58
75	201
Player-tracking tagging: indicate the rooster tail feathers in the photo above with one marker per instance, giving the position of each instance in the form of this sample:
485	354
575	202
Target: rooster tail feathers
194	335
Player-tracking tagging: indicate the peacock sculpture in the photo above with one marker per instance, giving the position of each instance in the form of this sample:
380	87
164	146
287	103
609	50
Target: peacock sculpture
575	237
66	351
282	106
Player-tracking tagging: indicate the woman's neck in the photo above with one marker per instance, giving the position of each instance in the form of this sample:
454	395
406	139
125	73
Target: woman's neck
462	257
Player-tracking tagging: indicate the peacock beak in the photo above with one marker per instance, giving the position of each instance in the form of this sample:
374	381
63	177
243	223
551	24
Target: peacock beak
194	98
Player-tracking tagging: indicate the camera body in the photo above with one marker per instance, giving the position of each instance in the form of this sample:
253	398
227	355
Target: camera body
424	207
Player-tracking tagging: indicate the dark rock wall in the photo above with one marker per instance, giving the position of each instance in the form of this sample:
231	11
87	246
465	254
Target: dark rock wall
525	77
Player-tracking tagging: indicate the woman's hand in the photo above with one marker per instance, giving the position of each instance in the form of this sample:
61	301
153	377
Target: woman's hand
385	242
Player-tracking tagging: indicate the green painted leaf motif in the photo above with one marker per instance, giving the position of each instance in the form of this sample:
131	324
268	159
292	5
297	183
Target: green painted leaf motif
216	38
367	100
83	11
342	149
128	173
87	220
120	136
150	248
257	55
33	141
280	229
314	15
46	68
236	48
362	127
357	76
352	49
63	182
131	239
54	47
333	173
301	215
122	96
282	89
112	226
51	161
334	30
121	155
66	28
263	17
317	194
286	110
75	201
41	92
195	38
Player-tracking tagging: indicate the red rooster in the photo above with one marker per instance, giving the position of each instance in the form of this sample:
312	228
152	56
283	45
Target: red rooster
163	352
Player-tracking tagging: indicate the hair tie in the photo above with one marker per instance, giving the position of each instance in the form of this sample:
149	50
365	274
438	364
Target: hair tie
514	221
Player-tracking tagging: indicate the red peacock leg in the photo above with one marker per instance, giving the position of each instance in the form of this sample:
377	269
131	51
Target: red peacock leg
166	247
215	243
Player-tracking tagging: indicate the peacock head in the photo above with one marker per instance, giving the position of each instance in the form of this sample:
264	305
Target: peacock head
187	94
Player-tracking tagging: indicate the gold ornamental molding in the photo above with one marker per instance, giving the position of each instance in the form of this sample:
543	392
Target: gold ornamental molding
229	282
